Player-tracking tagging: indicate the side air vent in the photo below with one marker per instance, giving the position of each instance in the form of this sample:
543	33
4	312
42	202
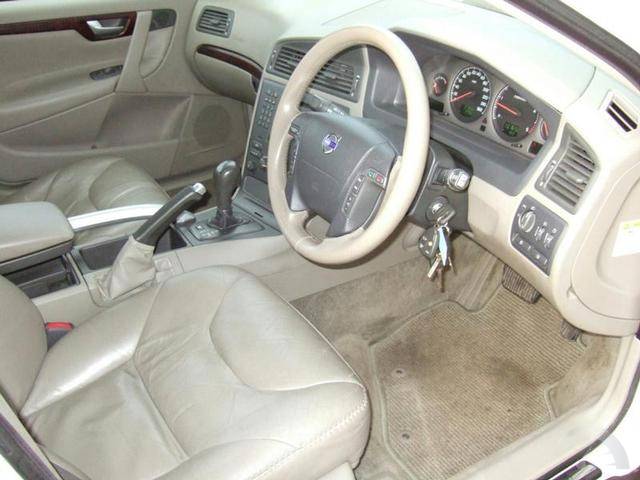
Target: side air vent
622	116
336	77
567	176
216	21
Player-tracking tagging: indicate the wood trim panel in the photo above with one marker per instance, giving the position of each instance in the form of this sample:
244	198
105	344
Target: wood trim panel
79	24
233	58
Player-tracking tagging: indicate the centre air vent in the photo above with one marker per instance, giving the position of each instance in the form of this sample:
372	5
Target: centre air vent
567	176
336	77
216	21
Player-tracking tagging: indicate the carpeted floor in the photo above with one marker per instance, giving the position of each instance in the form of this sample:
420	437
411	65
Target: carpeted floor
457	385
452	376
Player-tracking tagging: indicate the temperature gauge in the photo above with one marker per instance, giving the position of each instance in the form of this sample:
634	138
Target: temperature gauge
544	130
439	85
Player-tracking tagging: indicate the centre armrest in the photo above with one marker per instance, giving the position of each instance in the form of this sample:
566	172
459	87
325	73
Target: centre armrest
32	232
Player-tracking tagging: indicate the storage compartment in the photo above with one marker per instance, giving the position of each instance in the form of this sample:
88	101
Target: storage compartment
45	277
102	255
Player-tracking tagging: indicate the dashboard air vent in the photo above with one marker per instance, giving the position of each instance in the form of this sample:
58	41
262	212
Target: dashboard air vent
335	77
622	116
216	21
567	176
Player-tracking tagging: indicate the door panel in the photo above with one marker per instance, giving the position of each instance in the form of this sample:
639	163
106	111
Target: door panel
59	105
40	77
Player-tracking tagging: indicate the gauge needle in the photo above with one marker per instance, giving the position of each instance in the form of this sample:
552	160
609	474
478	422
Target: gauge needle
464	95
512	111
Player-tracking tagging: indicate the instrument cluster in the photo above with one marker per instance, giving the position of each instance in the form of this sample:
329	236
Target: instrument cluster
472	98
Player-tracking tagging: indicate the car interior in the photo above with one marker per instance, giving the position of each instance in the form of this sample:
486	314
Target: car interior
369	239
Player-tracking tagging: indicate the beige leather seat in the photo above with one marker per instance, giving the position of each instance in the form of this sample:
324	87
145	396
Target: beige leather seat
208	376
90	185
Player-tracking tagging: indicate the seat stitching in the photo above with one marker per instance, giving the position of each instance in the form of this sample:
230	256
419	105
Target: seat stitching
109	162
315	329
240	277
207	450
53	180
162	287
245	276
327	433
331	430
111	370
135	365
146	389
133	185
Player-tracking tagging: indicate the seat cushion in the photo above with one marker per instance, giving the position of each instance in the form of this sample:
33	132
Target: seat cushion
90	185
208	376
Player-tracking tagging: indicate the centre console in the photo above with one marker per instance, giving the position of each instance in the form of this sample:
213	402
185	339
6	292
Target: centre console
254	178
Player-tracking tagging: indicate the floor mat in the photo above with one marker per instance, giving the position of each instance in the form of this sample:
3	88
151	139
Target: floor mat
359	313
456	386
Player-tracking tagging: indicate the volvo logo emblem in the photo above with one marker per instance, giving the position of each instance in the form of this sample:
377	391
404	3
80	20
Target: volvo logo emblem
330	143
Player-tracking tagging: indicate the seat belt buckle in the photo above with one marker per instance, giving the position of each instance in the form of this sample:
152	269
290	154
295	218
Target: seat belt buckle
56	330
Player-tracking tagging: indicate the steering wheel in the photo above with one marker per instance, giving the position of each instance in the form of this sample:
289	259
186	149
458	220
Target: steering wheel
343	168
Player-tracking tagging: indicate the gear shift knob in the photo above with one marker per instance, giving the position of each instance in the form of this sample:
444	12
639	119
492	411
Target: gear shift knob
225	178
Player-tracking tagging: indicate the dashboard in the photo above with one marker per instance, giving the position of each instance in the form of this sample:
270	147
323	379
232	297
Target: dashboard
527	115
468	96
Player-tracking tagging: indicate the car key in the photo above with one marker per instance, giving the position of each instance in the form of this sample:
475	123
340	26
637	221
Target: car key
444	245
435	267
428	243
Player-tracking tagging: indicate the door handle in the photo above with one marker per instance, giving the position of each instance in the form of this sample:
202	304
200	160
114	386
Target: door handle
102	32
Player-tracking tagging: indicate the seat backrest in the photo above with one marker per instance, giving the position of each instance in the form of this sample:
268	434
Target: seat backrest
23	344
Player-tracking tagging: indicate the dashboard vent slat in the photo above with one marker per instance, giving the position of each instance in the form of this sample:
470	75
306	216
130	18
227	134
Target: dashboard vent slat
623	116
216	21
626	121
334	77
567	177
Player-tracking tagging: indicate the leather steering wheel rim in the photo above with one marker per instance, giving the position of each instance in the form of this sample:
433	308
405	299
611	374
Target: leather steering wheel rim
406	175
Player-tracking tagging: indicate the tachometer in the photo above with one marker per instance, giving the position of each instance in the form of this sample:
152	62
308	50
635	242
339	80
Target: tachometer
513	116
470	94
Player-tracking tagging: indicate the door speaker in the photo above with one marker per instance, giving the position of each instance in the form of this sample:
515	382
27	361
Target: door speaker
212	126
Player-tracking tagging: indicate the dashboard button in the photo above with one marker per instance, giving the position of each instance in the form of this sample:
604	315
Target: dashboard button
527	221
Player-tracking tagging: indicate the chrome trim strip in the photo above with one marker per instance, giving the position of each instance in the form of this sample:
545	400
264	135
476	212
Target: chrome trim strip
113	215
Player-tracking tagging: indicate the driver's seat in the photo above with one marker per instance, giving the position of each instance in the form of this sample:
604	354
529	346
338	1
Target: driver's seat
208	376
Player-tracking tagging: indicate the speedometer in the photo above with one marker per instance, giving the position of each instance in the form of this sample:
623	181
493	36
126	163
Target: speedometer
513	116
470	94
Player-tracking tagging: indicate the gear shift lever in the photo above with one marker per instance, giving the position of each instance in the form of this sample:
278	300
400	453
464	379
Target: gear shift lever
225	178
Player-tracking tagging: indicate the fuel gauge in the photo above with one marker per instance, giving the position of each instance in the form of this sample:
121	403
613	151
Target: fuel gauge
439	85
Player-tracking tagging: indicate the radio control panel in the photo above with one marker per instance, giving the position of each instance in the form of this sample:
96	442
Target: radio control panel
258	146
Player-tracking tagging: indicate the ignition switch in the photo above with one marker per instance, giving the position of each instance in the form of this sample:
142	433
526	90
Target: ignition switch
456	179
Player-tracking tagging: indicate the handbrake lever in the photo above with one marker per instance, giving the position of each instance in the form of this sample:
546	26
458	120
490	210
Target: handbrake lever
151	231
